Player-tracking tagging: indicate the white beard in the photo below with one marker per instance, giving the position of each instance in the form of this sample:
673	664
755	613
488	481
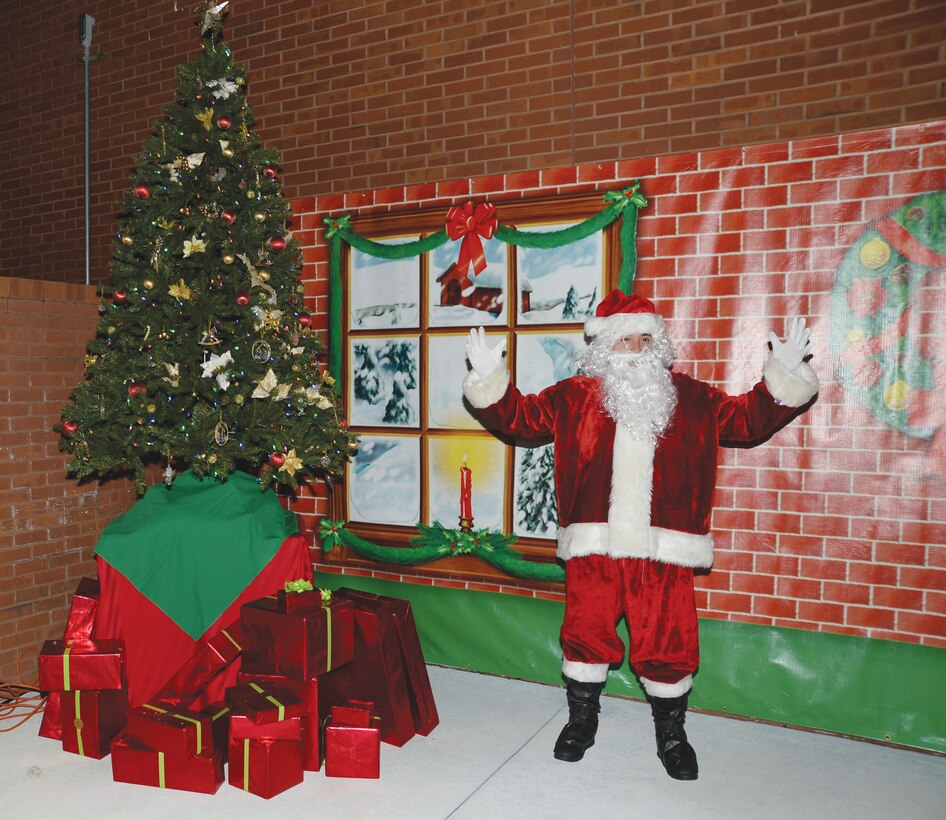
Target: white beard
636	389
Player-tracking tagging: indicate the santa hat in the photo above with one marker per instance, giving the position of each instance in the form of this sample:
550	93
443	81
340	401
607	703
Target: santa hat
621	315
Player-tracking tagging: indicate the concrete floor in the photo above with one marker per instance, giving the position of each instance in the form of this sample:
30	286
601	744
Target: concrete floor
491	757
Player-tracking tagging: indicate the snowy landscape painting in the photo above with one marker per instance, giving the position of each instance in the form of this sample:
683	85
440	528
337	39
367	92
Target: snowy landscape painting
384	384
447	367
559	285
545	358
384	481
486	459
462	298
384	292
535	511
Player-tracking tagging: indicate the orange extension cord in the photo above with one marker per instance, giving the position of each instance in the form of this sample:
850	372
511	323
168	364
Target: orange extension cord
19	701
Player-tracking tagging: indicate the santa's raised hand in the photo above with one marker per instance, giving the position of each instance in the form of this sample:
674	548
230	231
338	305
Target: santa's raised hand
483	359
795	348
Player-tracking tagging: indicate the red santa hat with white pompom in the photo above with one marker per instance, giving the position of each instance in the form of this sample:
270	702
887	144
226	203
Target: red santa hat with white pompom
620	314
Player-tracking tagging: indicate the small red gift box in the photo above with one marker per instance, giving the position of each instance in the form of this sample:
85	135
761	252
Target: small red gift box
51	725
264	703
85	665
177	732
317	695
353	741
85	604
241	728
146	767
302	644
90	720
210	658
265	766
295	599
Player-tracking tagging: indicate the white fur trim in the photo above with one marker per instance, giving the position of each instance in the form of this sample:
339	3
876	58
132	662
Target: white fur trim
482	393
582	539
667	690
685	549
790	387
632	482
585	672
624	324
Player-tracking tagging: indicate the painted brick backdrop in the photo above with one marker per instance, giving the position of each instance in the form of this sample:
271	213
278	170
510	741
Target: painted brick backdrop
831	525
48	523
388	93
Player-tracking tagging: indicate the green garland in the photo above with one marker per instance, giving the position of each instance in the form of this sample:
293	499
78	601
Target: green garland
436	541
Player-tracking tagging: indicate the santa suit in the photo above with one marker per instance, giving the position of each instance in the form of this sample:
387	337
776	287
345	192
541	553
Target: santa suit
634	517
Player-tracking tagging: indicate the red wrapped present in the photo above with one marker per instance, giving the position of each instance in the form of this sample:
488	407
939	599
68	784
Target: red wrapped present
377	672
423	707
81	618
353	741
219	716
302	644
85	665
241	728
51	725
210	658
317	695
133	764
265	766
299	597
177	732
91	720
264	703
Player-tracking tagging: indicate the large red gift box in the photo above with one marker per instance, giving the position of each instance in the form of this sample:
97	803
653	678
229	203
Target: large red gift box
264	703
353	741
302	644
317	694
146	767
177	732
66	665
210	658
423	707
91	720
377	672
265	766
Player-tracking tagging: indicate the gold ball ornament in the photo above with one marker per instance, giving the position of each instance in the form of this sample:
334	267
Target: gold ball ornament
896	395
264	275
238	398
228	153
251	194
127	239
148	284
259	216
875	254
212	459
228	258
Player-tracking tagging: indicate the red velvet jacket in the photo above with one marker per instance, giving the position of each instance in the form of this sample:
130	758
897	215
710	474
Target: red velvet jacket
626	498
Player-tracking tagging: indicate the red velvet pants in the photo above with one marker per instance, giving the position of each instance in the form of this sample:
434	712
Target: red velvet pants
657	601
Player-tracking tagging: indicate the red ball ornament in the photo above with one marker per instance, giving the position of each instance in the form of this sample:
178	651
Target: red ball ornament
137	389
224	123
277	243
142	192
305	319
270	171
242	299
277	460
120	297
69	427
229	216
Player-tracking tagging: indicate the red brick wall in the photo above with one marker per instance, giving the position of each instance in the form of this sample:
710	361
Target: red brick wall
48	524
384	93
831	525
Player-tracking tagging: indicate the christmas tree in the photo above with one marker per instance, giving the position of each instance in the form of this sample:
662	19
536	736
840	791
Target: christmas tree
536	507
204	356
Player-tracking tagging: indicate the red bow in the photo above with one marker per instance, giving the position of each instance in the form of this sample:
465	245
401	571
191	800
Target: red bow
471	224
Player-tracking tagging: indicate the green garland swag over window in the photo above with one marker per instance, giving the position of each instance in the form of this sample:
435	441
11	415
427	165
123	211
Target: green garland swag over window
436	541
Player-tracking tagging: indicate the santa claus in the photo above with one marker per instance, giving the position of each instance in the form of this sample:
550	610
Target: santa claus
636	450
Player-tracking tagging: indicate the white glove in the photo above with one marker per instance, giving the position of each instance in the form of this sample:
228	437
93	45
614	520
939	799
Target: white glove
796	346
483	359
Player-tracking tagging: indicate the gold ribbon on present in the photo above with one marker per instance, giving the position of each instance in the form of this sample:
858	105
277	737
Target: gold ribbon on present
271	699
196	722
246	764
161	770
229	637
79	724
65	666
326	605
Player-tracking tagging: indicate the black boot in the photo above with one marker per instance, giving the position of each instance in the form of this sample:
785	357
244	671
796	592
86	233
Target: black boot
674	752
579	733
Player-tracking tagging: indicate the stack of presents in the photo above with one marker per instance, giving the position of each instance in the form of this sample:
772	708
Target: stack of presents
324	679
